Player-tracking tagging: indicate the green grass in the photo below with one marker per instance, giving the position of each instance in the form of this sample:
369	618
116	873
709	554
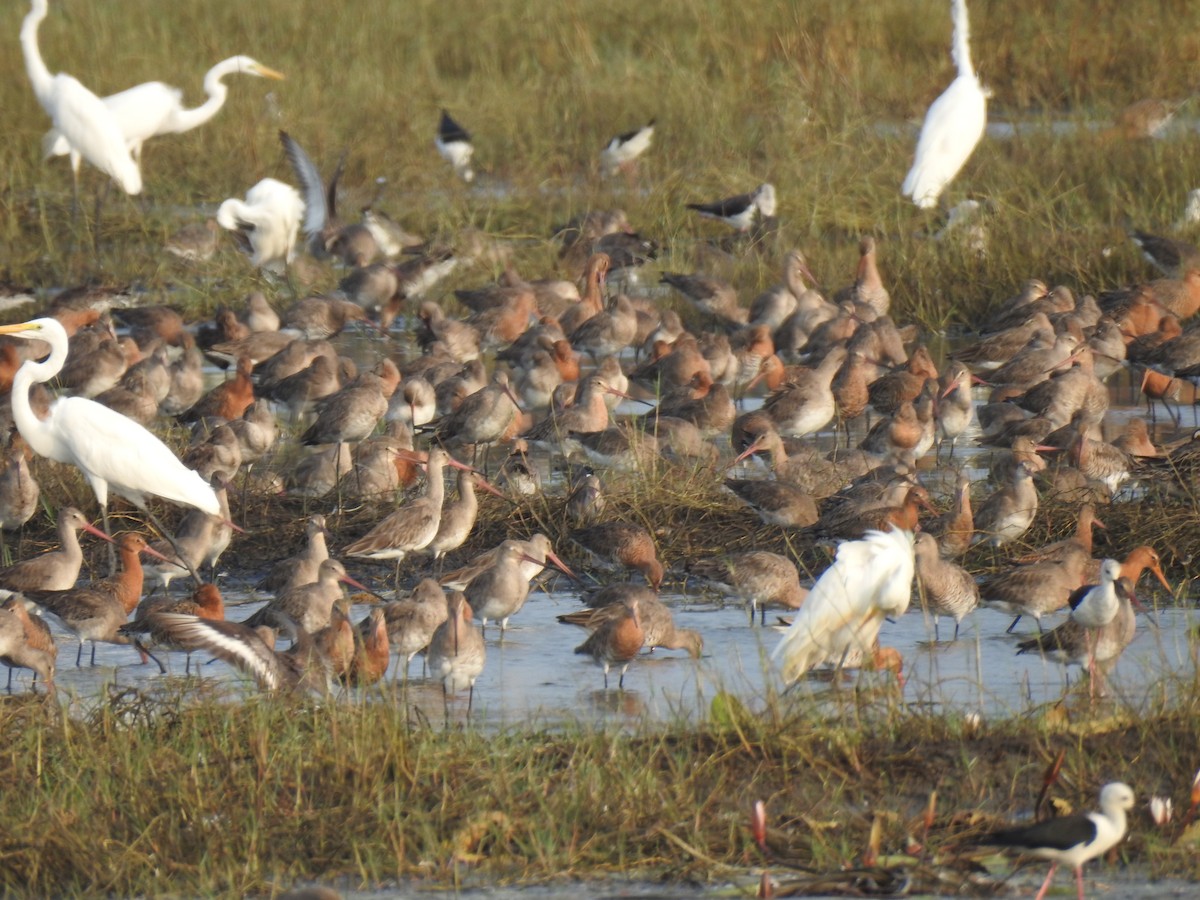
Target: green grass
135	796
807	96
192	794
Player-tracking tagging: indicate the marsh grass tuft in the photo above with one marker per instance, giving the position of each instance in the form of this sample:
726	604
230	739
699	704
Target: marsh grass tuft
361	794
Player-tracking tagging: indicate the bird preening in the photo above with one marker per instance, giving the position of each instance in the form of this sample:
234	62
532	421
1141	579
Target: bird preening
869	580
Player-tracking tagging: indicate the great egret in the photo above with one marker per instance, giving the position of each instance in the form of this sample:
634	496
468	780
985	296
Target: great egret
110	449
153	108
269	218
89	127
953	126
869	580
453	142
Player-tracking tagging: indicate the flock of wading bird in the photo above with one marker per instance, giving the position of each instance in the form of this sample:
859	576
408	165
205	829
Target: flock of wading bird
563	353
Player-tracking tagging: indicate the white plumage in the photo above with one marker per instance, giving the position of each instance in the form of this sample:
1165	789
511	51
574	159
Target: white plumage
623	149
869	580
90	129
270	218
154	108
110	449
953	126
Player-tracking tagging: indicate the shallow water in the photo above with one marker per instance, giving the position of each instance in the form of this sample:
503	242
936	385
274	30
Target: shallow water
533	676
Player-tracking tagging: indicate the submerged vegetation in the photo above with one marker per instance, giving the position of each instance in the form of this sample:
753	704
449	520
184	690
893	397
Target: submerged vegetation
188	793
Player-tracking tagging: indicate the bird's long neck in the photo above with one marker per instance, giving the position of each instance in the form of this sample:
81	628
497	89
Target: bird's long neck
186	119
435	490
466	493
129	582
961	49
39	75
32	428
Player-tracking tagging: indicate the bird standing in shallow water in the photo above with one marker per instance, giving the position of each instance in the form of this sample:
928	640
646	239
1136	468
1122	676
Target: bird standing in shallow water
456	652
869	580
1072	839
617	640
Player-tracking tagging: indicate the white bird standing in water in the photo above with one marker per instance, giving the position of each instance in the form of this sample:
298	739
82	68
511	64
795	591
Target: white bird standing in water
89	127
110	449
153	108
869	580
953	126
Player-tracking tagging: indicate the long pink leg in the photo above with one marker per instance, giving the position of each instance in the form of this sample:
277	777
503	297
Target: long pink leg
1079	880
1041	895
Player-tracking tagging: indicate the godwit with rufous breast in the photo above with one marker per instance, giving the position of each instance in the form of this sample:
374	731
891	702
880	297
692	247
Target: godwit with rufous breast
206	602
622	544
868	289
658	625
229	399
955	529
27	644
371	650
617	640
